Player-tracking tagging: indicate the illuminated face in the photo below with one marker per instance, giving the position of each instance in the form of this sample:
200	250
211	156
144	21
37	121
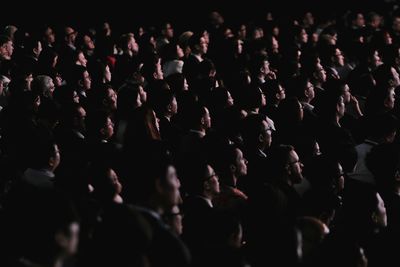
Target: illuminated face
295	168
241	163
212	181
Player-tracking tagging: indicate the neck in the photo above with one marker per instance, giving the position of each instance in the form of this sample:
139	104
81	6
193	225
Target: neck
337	121
201	129
208	195
234	180
153	205
397	189
168	116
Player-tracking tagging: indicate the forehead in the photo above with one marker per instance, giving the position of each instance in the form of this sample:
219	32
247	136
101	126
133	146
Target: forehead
293	156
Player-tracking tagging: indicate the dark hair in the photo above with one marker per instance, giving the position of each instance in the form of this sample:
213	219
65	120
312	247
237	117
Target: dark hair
4	39
252	127
95	121
279	158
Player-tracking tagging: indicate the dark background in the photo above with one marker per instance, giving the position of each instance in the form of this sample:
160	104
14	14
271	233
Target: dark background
129	14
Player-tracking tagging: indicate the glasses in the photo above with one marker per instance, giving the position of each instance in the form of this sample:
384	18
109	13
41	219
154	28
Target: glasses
297	161
211	176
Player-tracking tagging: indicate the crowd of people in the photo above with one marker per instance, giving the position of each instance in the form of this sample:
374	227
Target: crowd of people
258	143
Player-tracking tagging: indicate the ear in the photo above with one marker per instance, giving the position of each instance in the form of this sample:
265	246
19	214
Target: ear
261	138
232	168
80	82
202	121
315	75
169	107
278	96
374	217
102	131
61	239
155	76
159	188
288	169
51	161
206	186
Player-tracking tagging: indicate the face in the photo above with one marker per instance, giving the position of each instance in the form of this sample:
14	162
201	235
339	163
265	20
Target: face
241	164
115	181
295	168
133	46
242	32
387	38
70	35
185	85
360	22
88	42
303	36
266	135
156	121
380	213
239	47
390	99
263	99
376	60
308	18
7	49
142	95
107	74
316	150
396	24
56	158
340	180
138	101
395	81
265	68
275	45
310	93
179	52
87	82
212	181
168	31
55	61
340	107
321	73
174	106
82	60
75	97
339	58
281	94
38	49
29	80
108	129
159	73
49	36
300	111
346	94
112	99
51	86
81	119
207	119
203	46
171	190
230	102
70	240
